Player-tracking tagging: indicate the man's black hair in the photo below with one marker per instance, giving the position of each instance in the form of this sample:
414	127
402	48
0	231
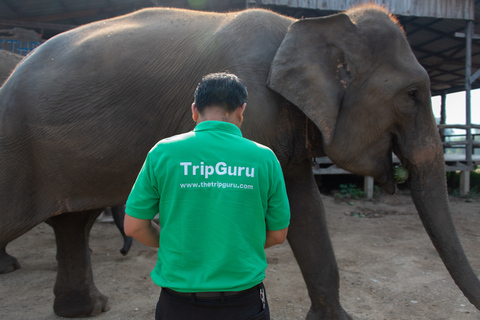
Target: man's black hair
223	89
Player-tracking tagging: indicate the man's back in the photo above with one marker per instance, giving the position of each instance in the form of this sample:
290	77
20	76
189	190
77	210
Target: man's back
213	188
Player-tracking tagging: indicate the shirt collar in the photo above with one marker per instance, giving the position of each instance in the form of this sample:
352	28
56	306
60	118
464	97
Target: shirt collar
218	126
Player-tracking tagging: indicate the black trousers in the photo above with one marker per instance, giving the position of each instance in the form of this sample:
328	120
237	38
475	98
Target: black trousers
244	306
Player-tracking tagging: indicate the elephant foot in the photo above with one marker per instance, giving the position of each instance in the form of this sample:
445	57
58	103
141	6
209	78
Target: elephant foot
79	304
7	262
322	315
75	291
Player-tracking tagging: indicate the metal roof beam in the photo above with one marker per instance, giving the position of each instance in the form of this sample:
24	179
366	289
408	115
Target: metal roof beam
440	54
460	76
436	54
410	21
440	37
448	60
443	34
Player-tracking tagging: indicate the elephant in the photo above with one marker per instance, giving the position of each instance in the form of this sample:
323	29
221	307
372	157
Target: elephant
8	61
88	104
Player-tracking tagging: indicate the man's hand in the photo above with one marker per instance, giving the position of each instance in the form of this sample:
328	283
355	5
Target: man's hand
275	237
145	231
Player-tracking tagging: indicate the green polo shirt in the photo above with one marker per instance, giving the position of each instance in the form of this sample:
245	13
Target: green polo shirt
216	193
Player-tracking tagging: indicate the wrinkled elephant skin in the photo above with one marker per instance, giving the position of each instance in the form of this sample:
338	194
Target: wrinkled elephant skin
86	107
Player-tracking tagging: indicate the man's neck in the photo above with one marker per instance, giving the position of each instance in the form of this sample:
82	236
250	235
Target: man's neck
218	114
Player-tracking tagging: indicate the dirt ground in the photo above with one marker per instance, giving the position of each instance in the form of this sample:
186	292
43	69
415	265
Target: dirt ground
388	267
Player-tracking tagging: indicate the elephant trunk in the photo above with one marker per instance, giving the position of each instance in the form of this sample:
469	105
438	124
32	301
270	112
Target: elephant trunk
429	193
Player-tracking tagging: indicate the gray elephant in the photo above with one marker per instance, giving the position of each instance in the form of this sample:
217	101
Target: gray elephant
8	61
86	107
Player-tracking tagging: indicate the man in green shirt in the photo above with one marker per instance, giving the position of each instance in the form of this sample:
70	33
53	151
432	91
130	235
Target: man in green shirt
221	200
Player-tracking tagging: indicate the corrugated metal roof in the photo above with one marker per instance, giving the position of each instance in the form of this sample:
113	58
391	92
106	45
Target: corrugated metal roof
445	9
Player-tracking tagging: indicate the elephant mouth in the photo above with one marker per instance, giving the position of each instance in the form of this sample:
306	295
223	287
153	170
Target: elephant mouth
385	167
385	177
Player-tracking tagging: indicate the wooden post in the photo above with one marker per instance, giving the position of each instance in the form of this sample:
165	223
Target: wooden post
368	183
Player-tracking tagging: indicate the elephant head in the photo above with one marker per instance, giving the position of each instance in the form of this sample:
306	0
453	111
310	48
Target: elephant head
355	77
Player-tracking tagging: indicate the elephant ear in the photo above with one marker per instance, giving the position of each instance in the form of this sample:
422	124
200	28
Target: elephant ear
311	68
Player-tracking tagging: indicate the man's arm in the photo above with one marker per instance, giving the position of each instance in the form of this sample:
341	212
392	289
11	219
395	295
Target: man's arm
145	231
275	237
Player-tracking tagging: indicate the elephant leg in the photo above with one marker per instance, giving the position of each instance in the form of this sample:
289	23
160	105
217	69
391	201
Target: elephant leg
7	262
310	242
75	292
118	214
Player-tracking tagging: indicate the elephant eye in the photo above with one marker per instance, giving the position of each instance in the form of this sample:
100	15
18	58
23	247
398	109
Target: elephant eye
407	101
412	94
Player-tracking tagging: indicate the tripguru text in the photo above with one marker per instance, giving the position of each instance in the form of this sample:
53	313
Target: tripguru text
221	168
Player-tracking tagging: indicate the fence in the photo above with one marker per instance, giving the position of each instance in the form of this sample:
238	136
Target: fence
463	162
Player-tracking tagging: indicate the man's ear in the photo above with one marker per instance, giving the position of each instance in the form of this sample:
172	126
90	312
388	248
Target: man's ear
240	110
194	112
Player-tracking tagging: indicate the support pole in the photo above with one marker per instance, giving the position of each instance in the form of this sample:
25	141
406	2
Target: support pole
465	182
443	116
468	89
368	184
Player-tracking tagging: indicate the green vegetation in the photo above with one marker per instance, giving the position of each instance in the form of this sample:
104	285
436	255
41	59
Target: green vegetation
453	182
351	191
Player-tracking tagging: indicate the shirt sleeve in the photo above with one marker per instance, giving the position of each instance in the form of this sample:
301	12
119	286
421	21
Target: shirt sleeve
143	201
278	212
